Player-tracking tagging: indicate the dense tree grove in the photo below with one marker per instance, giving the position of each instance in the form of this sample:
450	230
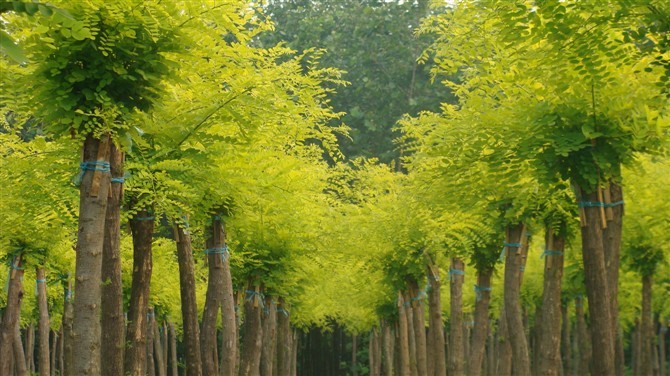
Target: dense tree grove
322	187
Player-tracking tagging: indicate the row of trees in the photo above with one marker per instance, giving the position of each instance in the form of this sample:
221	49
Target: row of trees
197	133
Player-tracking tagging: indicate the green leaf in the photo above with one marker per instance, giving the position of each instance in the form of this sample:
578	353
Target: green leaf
11	49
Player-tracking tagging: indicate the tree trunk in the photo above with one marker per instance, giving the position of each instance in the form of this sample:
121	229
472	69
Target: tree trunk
113	321
161	366
93	193
165	343
216	254
253	333
61	350
44	325
19	356
189	306
372	360
411	336
582	339
150	336
481	330
29	350
173	351
354	353
663	364
646	327
550	327
612	246
68	331
636	349
142	228
229	324
403	337
11	314
294	353
597	286
491	353
565	340
387	348
419	327
283	339
436	327
54	352
456	355
514	262
375	352
269	348
504	346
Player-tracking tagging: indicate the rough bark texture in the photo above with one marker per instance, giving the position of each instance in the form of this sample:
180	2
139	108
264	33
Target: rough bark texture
29	348
584	352
504	347
436	327
54	351
284	343
662	355
550	326
597	288
165	347
514	260
68	332
92	208
419	327
213	301
150	336
456	354
113	321
161	369
189	306
43	354
20	366
375	352
173	351
10	316
409	314
565	339
142	228
269	337
481	330
387	348
646	328
253	333
229	330
612	245
403	337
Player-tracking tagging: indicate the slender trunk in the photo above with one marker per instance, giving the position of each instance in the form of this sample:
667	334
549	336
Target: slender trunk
229	318
504	366
29	350
173	351
535	342
582	339
11	314
161	369
387	348
269	337
43	354
636	349
456	354
216	256
481	330
491	353
142	228
68	330
514	262
354	352
436	327
612	246
550	326
283	339
375	352
19	356
253	332
113	322
403	337
372	360
294	353
597	286
646	327
150	336
61	350
189	306
565	339
417	300
164	341
54	352
93	193
663	364
411	336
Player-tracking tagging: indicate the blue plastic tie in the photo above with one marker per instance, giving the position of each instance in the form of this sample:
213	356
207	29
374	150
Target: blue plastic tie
282	311
479	290
455	272
37	282
551	252
216	218
151	218
505	246
224	252
102	166
598	204
258	295
119	180
522	268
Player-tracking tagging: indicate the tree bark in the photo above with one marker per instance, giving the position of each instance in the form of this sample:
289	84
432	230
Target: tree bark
419	327
387	348
113	321
504	347
54	352
29	350
173	351
93	193
481	330
636	350
403	337
436	327
550	327
150	337
565	339
456	354
229	325
646	328
582	339
269	348
142	228
68	331
284	344
19	356
409	313
166	346
11	314
597	287
216	254
612	246
253	333
189	306
354	353
44	325
663	364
